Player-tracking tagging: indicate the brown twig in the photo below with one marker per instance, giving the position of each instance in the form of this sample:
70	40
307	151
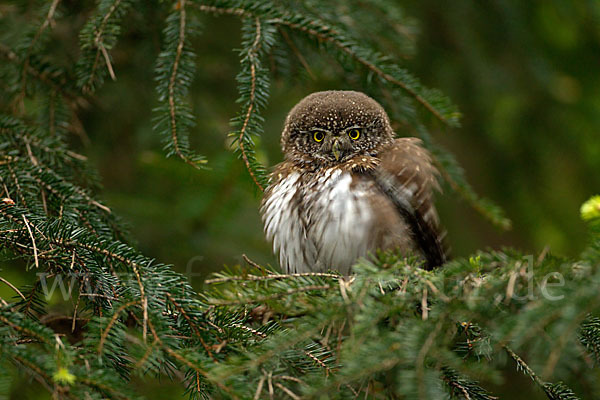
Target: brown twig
35	251
144	299
287	391
296	52
319	362
271	277
523	365
98	42
13	287
252	331
25	331
271	297
259	387
188	363
192	325
420	361
111	72
112	321
424	305
76	308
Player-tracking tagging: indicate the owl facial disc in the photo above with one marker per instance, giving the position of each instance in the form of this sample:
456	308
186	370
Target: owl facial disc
333	127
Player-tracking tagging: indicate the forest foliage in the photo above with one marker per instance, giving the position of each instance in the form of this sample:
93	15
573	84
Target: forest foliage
391	330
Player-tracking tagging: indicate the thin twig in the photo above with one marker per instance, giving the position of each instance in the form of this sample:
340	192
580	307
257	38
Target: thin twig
112	322
270	384
35	252
192	325
111	72
13	287
144	302
98	40
271	277
24	330
252	331
420	361
319	362
523	366
271	297
289	378
253	264
288	391
38	373
297	53
259	387
424	305
75	313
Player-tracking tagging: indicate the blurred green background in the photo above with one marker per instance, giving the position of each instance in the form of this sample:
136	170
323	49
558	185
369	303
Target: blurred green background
524	74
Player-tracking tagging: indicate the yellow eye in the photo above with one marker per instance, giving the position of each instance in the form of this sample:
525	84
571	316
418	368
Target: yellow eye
354	134
318	136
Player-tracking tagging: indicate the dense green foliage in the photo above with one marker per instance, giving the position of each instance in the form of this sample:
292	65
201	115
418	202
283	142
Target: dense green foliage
95	318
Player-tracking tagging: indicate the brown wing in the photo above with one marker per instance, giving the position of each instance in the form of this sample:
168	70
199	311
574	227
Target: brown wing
407	177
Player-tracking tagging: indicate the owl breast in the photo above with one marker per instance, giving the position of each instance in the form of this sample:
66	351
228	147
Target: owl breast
324	221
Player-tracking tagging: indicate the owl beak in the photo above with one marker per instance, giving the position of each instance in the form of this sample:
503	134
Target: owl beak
335	149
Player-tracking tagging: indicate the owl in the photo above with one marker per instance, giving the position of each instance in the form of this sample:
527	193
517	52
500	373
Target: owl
347	187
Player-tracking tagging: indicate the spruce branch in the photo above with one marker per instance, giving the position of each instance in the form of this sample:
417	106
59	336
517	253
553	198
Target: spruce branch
172	80
589	336
251	56
253	86
26	62
175	71
553	391
97	37
558	391
387	331
465	388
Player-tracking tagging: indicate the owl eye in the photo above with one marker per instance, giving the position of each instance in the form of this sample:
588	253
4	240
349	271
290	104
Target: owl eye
354	133
318	136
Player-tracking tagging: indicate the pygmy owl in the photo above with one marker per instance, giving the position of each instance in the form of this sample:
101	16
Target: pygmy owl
347	187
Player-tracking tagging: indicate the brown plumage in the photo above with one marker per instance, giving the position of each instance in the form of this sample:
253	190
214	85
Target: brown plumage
347	188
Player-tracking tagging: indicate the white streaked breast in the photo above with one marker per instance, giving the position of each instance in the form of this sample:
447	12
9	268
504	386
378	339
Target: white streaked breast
318	222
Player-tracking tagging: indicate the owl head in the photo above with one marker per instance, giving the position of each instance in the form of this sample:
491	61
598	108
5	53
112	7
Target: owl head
331	127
